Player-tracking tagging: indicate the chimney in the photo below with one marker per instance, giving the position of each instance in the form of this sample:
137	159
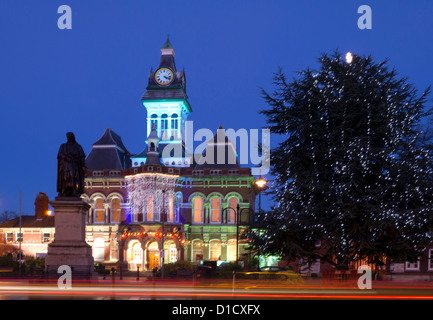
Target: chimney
41	205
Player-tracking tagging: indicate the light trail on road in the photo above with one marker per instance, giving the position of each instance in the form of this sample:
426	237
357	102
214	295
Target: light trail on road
121	289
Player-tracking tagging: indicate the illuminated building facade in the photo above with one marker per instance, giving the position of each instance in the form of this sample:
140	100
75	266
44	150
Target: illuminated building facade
161	201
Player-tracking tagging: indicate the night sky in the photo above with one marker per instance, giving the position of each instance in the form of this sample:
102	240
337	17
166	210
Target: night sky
92	77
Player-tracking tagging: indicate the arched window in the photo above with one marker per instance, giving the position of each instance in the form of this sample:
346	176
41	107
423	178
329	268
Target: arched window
170	250
98	210
174	126
170	215
197	210
231	214
154	122
215	215
197	250
231	250
172	253
150	208
152	147
215	250
174	121
177	207
137	252
164	123
115	210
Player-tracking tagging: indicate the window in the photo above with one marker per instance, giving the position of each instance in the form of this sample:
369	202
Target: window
46	237
215	216
231	250
138	252
98	249
98	173
197	210
231	212
174	122
164	123
170	208
9	237
197	250
150	208
215	172
215	250
174	127
19	237
177	206
154	122
115	210
412	265
173	253
99	210
114	173
430	259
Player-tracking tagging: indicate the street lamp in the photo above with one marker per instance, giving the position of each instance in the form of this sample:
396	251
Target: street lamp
21	235
261	184
238	213
163	226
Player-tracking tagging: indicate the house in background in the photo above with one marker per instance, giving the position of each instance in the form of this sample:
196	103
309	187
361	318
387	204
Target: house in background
34	233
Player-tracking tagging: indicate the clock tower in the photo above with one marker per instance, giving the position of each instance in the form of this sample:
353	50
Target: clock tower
167	107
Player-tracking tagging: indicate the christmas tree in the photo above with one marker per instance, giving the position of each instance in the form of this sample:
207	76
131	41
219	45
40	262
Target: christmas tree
353	180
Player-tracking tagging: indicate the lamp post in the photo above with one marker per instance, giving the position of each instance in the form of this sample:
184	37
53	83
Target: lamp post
261	184
238	213
162	238
237	232
21	235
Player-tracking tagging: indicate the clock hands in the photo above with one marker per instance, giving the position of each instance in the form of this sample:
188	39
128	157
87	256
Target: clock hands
164	76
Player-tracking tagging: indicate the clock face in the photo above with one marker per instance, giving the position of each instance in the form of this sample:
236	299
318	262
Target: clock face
163	76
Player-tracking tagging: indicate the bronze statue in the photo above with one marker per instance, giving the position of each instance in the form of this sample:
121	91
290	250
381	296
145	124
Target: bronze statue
71	168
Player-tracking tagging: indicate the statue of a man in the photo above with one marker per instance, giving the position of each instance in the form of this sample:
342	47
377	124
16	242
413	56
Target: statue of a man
71	168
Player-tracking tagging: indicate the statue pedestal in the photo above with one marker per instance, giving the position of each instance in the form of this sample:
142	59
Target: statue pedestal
69	246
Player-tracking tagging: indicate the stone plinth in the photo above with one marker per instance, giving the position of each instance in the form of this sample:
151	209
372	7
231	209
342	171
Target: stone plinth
69	246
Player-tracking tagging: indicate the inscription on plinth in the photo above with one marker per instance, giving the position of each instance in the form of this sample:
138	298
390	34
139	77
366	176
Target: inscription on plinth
69	246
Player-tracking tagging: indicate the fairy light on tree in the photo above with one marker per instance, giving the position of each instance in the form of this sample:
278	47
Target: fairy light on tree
349	57
351	173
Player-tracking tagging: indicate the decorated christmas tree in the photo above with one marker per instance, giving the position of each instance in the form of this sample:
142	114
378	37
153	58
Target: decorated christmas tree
353	180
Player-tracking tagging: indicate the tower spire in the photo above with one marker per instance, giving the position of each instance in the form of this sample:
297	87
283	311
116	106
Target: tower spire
167	48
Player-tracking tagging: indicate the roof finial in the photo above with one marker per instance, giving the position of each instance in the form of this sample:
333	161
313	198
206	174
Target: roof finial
167	44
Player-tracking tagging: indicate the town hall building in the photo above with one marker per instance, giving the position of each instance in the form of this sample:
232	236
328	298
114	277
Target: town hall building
161	204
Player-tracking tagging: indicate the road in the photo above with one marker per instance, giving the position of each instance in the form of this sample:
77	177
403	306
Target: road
130	289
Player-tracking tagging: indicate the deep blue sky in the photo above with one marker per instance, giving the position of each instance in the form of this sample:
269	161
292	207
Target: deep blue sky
92	77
